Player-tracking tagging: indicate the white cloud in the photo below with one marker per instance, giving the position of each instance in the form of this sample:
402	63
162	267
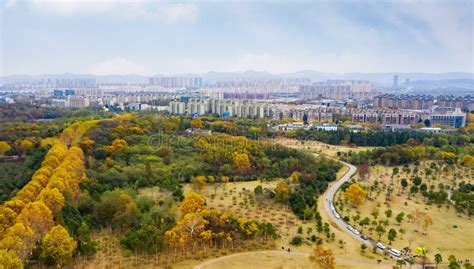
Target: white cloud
118	66
168	13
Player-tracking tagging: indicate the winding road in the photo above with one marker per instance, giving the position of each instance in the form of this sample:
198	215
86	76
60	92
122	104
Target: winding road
329	197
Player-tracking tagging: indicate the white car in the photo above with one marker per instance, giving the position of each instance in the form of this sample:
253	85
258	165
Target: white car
395	252
350	228
381	246
337	216
356	232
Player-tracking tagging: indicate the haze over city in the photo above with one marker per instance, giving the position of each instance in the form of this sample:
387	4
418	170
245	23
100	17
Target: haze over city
150	37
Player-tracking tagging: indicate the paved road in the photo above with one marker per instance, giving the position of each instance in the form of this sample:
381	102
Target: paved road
329	197
293	253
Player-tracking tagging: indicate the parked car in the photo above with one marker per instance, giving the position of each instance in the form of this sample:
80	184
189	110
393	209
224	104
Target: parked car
381	246
363	236
395	252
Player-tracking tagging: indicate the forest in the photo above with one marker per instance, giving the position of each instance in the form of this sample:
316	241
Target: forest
86	177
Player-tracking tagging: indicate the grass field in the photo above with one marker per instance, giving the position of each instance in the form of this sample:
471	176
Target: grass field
451	232
318	147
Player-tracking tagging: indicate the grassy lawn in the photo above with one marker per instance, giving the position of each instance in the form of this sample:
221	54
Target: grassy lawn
318	147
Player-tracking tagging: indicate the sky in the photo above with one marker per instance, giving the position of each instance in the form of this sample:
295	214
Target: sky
161	37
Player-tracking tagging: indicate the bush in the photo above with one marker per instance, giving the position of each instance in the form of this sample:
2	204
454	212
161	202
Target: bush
296	241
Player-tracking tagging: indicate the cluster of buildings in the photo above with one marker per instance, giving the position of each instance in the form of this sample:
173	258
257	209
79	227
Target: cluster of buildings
176	82
220	107
423	102
338	89
310	112
454	118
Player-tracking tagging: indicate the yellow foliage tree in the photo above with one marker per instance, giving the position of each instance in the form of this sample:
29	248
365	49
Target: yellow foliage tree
4	147
355	194
323	258
57	245
37	216
196	123
199	182
9	260
241	162
53	199
192	203
282	191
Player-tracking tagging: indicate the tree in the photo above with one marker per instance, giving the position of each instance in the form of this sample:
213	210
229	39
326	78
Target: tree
323	258
438	258
196	123
9	259
192	203
199	182
295	177
422	251
57	246
453	262
355	194
282	192
404	183
399	217
53	199
363	247
380	230
242	162
4	147
388	213
392	234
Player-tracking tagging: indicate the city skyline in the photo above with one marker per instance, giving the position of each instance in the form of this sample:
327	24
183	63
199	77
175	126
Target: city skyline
197	37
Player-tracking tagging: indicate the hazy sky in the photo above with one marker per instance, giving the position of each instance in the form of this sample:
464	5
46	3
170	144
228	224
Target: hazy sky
150	37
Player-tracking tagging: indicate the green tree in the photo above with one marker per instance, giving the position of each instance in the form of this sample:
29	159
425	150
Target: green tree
392	234
438	258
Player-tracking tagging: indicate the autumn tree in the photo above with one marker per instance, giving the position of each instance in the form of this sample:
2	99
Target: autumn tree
355	194
192	203
323	258
242	162
199	182
118	145
4	147
57	246
196	123
53	199
9	259
282	191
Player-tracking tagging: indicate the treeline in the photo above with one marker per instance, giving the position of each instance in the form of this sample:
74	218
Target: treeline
28	113
378	138
404	154
27	220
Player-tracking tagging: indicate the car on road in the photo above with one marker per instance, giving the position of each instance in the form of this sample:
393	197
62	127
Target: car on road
395	252
363	236
356	232
380	245
350	228
337	216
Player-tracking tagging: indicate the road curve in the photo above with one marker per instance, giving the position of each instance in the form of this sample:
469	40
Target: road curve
329	197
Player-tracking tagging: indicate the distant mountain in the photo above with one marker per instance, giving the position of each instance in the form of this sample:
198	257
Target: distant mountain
382	79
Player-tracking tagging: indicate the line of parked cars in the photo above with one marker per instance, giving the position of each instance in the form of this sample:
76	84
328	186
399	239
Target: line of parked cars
394	252
333	210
